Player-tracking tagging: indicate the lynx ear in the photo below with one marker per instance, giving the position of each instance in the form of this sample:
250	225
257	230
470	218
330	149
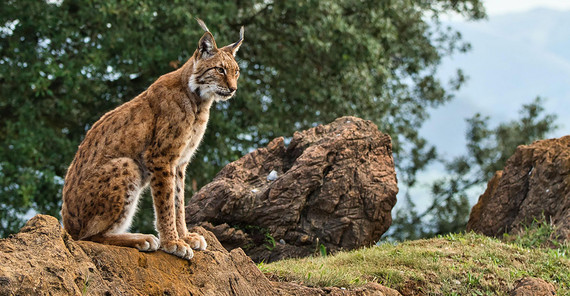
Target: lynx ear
235	47
207	45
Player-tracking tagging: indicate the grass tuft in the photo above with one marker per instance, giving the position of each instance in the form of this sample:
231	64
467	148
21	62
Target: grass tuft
453	264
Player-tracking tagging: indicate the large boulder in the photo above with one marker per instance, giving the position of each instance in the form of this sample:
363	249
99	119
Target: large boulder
43	259
333	187
535	184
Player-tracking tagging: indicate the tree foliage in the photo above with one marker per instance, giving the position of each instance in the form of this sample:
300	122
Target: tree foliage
65	63
487	152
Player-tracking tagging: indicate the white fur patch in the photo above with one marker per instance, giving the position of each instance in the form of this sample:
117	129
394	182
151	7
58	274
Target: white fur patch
208	91
196	137
125	224
192	83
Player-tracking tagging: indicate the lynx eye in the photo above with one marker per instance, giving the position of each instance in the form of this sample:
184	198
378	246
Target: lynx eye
221	70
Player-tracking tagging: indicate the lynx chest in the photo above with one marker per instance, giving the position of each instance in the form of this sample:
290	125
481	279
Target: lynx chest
195	135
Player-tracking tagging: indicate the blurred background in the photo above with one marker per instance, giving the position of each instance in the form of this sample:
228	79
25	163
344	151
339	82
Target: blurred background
521	51
457	84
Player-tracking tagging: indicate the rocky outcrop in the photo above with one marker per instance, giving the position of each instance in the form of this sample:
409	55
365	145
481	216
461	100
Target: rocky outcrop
535	184
332	187
530	286
44	260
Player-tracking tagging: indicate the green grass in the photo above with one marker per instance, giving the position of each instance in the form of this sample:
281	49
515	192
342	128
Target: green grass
86	284
455	264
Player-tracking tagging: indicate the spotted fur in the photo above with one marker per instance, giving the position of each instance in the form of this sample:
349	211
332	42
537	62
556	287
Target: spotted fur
148	141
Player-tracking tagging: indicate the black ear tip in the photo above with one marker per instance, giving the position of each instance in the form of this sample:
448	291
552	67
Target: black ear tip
202	25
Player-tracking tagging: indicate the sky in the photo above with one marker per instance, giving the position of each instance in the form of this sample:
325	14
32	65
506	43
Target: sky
498	7
520	52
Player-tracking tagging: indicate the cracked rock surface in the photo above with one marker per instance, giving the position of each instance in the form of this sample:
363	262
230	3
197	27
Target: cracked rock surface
535	184
333	185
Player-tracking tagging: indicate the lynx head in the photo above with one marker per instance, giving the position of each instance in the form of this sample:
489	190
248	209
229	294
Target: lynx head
215	71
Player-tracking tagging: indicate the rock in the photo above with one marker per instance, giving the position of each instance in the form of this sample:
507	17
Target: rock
334	185
530	286
43	259
535	184
477	210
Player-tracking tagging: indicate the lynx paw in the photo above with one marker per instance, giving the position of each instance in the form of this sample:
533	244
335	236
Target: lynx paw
179	248
148	243
196	241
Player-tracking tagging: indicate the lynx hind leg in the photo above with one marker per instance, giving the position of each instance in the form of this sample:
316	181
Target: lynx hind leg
112	203
196	241
142	242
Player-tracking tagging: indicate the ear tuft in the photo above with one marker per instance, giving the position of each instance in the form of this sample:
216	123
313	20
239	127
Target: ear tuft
207	45
235	47
202	24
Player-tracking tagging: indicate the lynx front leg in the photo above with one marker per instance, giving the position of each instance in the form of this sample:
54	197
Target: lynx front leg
162	186
195	240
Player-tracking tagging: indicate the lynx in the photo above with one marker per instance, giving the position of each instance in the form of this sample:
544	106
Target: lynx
148	140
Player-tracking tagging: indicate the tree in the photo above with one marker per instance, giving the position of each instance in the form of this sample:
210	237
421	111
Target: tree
487	152
65	63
